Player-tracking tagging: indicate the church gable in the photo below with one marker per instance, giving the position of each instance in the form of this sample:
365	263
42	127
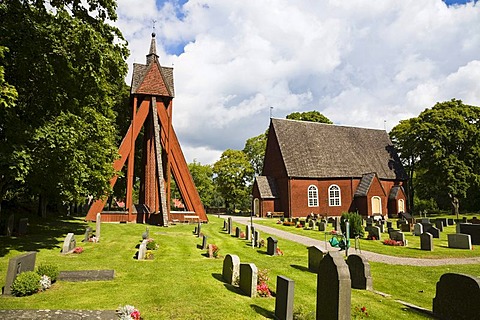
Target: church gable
153	82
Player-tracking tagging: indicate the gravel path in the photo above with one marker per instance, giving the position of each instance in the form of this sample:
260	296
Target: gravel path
371	256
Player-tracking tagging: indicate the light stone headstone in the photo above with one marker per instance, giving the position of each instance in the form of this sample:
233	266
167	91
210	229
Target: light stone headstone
16	265
231	269
88	232
417	229
98	224
284	298
359	272
459	241
426	241
142	250
69	243
333	288
248	233
272	246
457	297
315	256
248	279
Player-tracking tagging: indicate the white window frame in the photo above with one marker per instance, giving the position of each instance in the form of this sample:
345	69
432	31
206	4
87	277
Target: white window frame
312	194
335	199
374	198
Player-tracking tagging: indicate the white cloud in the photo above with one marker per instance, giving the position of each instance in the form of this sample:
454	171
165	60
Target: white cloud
363	62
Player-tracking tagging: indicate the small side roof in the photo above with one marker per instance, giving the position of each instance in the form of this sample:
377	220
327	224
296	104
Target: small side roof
267	187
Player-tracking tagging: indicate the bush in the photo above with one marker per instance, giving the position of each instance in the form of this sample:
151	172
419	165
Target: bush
152	245
26	283
48	270
355	221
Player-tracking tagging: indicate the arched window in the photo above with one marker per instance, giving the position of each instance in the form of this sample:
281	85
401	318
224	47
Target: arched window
401	205
312	196
376	205
334	199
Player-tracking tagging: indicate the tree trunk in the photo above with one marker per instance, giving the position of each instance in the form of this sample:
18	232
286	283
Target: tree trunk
455	205
42	206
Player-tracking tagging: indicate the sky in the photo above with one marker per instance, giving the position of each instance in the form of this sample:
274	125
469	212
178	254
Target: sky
366	63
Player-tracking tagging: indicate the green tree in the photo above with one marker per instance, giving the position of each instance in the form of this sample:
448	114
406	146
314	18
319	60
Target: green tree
67	64
313	116
203	177
255	151
446	143
233	176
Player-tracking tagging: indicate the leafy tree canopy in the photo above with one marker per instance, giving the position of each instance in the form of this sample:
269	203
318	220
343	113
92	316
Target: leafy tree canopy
313	116
255	151
203	177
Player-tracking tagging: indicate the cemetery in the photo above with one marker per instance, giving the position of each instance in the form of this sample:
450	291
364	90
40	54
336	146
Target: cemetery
106	275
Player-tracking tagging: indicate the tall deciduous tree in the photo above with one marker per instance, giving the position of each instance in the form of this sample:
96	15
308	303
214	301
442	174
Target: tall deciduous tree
203	177
67	64
255	151
233	176
313	116
446	141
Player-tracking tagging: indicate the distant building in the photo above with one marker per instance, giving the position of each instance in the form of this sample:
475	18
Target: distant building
327	169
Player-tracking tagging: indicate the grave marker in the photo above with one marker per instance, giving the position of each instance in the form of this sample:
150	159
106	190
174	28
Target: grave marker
459	241
98	226
230	225
237	232
256	239
248	279
333	288
284	298
16	265
435	232
417	229
375	232
457	297
199	229
88	233
69	243
359	272
10	224
204	242
272	246
22	226
231	269
315	256
142	250
472	229
439	225
248	233
450	222
322	226
426	241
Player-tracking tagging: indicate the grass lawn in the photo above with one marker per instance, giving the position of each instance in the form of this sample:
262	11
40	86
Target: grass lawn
182	283
440	246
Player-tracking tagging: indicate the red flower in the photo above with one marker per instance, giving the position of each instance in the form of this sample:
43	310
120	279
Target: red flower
363	309
135	315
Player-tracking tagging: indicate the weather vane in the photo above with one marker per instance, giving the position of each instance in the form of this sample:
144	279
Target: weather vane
153	25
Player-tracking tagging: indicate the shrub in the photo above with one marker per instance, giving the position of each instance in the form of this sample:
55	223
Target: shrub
26	283
48	270
152	245
355	221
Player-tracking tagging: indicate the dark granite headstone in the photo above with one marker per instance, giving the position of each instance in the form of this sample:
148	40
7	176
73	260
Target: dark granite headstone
22	226
284	298
426	241
389	224
272	246
199	229
472	229
434	232
256	239
405	227
237	232
457	297
333	288
230	225
322	226
450	222
359	272
315	256
86	275
439	224
426	225
248	279
375	232
231	269
16	265
204	242
225	225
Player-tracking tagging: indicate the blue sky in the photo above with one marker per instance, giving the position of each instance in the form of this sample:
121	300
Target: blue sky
368	63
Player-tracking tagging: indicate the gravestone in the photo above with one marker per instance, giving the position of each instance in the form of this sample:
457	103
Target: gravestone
425	220
195	231
69	243
464	220
272	246
435	232
237	232
359	272
389	224
86	275
199	229
230	225
443	220
98	226
284	298
457	297
16	265
302	223
225	225
231	269
315	256
311	224
248	279
248	233
375	232
472	229
333	288
322	226
142	250
10	224
88	233
450	222
417	229
439	225
474	220
426	225
459	241
22	226
426	241
381	227
256	239
405	227
204	242
397	236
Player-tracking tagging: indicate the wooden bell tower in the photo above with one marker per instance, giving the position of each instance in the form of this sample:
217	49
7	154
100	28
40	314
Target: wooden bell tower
152	94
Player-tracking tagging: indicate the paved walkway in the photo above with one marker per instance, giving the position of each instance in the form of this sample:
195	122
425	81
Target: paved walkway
371	256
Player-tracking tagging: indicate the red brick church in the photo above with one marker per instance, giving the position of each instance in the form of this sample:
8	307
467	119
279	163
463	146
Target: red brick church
328	169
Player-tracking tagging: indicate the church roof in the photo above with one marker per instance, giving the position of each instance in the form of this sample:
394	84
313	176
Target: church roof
364	185
267	187
318	150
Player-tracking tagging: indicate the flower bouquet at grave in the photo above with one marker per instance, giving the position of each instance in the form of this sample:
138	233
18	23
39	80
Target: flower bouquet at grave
242	235
213	251
371	237
279	222
390	242
279	252
262	284
78	250
289	223
128	312
359	313
149	255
